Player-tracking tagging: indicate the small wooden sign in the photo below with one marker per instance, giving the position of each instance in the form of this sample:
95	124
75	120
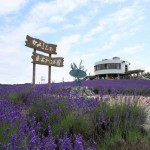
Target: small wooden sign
40	45
45	60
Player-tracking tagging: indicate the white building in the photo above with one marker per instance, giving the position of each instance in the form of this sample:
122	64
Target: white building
114	69
111	68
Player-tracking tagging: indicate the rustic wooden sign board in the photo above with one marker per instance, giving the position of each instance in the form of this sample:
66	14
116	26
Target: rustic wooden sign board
40	45
37	44
45	60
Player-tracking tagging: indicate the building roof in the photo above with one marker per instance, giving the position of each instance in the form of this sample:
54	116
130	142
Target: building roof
134	71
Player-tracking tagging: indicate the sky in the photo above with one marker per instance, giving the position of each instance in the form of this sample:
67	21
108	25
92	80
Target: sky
87	30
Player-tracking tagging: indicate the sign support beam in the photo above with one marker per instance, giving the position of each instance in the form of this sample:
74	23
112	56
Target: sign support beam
34	70
49	73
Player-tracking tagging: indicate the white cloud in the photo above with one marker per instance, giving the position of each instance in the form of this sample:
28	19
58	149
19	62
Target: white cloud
111	1
9	6
43	30
45	10
114	38
136	64
65	44
89	36
94	10
56	19
147	68
118	24
127	15
81	21
130	50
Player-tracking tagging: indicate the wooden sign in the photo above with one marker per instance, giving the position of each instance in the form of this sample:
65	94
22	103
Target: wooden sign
37	44
40	45
45	60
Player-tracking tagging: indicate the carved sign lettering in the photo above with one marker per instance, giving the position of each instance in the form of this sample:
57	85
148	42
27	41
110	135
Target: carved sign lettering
45	60
40	45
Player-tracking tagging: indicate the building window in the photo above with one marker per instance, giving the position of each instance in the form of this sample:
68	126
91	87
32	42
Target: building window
114	66
107	66
126	68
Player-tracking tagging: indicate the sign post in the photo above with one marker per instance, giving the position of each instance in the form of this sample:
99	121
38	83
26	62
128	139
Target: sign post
34	70
49	72
37	44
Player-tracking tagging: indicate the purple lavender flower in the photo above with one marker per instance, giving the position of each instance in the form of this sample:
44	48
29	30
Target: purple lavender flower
78	144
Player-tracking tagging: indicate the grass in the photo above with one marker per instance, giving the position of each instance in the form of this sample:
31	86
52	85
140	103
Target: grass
19	97
7	129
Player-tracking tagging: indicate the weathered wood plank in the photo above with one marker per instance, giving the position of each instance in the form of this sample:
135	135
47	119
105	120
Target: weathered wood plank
40	45
45	60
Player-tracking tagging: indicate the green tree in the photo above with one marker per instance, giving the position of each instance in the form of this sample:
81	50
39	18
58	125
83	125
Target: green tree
147	75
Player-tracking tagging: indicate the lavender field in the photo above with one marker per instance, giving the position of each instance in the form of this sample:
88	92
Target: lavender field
101	114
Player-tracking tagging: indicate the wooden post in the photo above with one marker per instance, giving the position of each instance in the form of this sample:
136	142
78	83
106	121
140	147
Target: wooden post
34	70
49	73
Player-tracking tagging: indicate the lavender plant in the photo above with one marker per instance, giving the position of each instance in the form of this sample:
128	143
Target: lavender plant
55	118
